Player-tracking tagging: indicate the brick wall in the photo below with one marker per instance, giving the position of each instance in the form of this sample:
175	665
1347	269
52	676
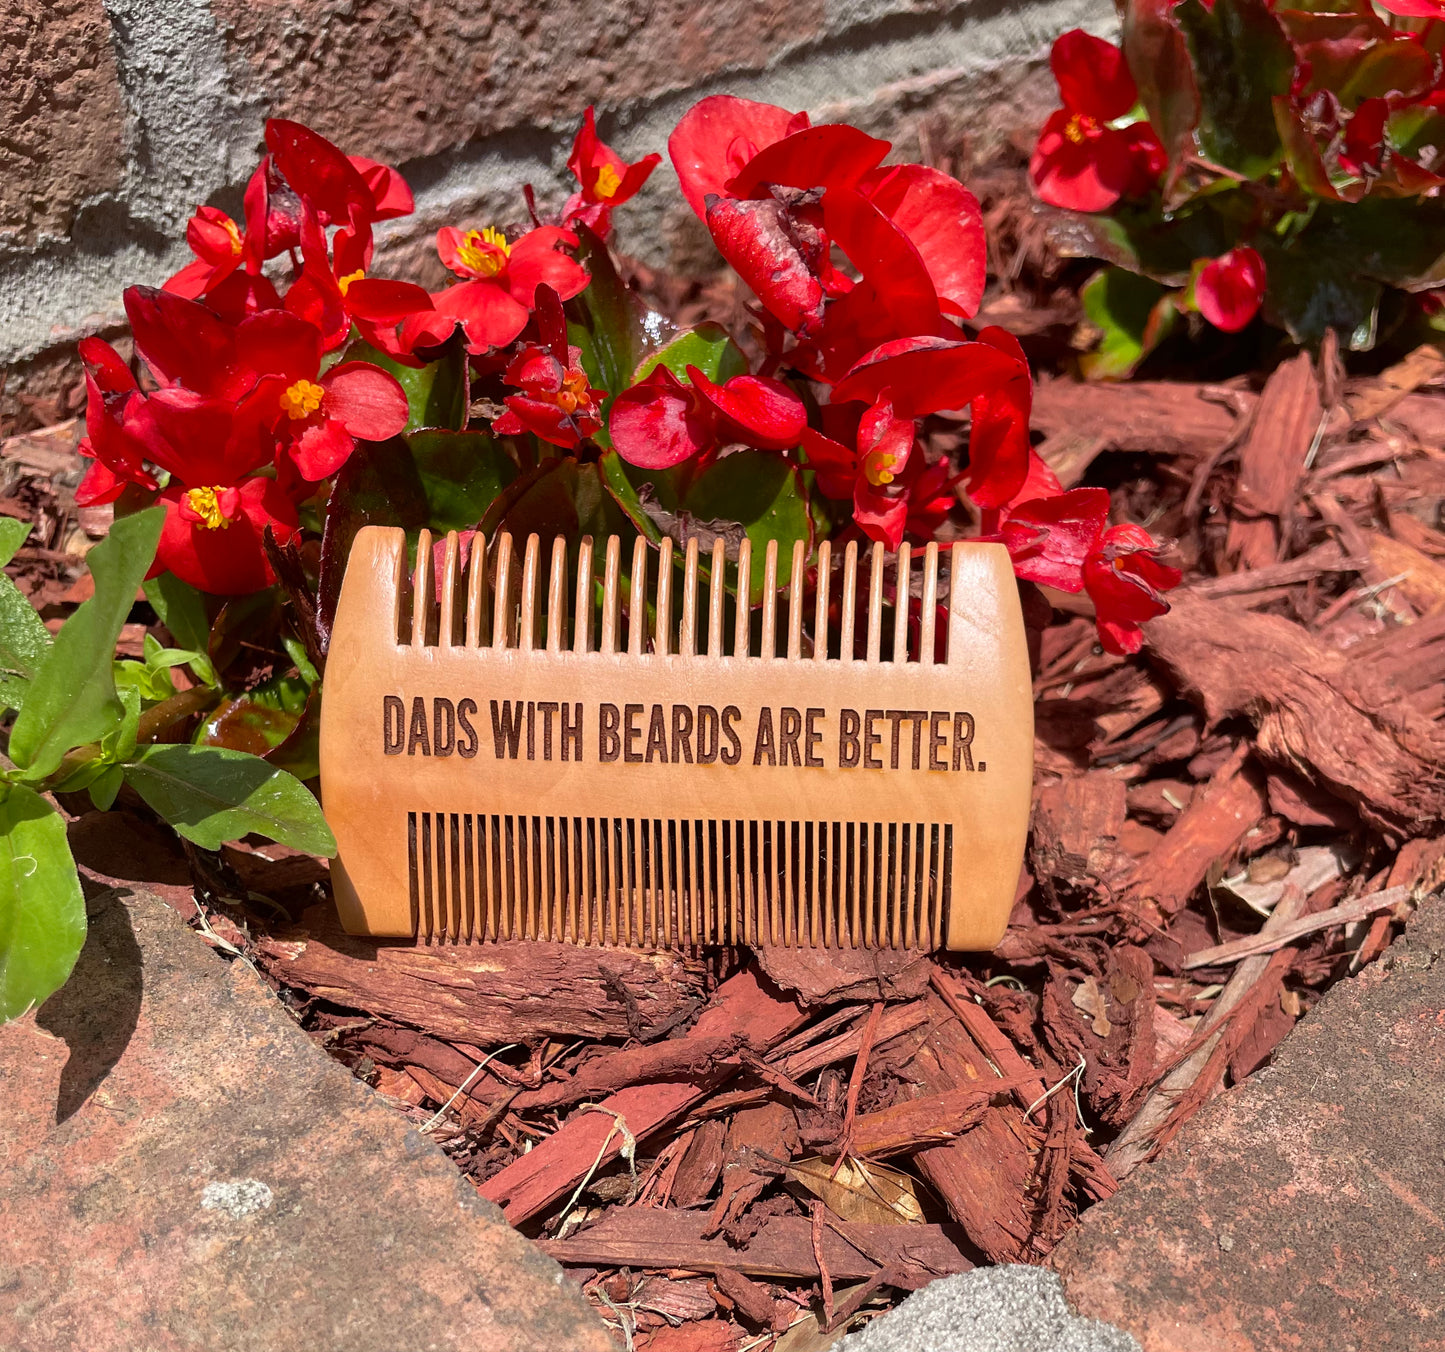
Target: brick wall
118	116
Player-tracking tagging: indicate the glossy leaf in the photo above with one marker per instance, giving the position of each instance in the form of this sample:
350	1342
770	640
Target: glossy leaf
609	321
760	493
42	910
709	347
24	640
1158	59
1242	61
182	609
73	699
212	795
1135	314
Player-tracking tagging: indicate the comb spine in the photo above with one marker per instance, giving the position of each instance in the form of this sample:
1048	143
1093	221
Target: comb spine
795	604
687	636
928	616
611	594
449	592
743	628
847	638
820	601
662	630
716	598
770	602
637	600
502	594
478	596
527	628
582	602
557	595
902	582
421	581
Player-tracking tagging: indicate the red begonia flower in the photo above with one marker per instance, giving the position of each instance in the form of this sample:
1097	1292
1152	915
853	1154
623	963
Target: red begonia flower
660	421
998	441
604	178
716	138
755	410
200	439
1049	538
1126	582
1229	289
831	156
500	279
556	403
320	174
118	454
1415	9
390	196
319	294
219	247
657	423
1080	162
872	471
755	239
928	375
212	535
941	219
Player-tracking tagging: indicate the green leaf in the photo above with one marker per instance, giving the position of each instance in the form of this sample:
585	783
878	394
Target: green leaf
439	480
24	640
182	609
562	497
760	493
436	394
708	347
1135	314
12	536
212	795
1310	293
609	322
73	699
106	786
628	484
1242	61
42	910
1159	61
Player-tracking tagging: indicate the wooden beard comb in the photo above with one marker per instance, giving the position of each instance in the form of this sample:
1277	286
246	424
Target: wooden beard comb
497	764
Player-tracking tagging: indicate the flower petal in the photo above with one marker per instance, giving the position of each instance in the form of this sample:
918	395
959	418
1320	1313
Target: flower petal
364	399
831	156
1088	174
757	410
536	261
488	313
1093	76
752	236
319	172
703	144
998	441
927	375
1049	538
1230	288
653	424
887	260
321	449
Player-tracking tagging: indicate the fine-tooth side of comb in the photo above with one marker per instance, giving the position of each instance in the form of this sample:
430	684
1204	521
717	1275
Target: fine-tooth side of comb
601	745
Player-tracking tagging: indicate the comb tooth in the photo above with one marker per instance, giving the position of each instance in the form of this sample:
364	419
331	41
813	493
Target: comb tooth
820	607
557	595
743	631
637	600
875	606
611	593
449	592
903	581
527	632
582	620
853	884
928	616
502	595
897	853
717	584
477	593
812	854
795	604
668	874
770	602
662	632
687	639
421	589
789	860
850	601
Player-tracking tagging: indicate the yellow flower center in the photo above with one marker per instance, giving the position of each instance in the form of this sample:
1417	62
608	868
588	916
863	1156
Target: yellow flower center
1079	127
302	399
345	282
234	231
205	503
608	181
484	251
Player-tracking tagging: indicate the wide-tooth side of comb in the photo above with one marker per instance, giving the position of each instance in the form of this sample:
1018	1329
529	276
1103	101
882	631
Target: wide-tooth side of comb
499	761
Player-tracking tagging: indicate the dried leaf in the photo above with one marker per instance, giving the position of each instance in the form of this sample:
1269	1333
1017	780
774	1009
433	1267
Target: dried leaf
860	1191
